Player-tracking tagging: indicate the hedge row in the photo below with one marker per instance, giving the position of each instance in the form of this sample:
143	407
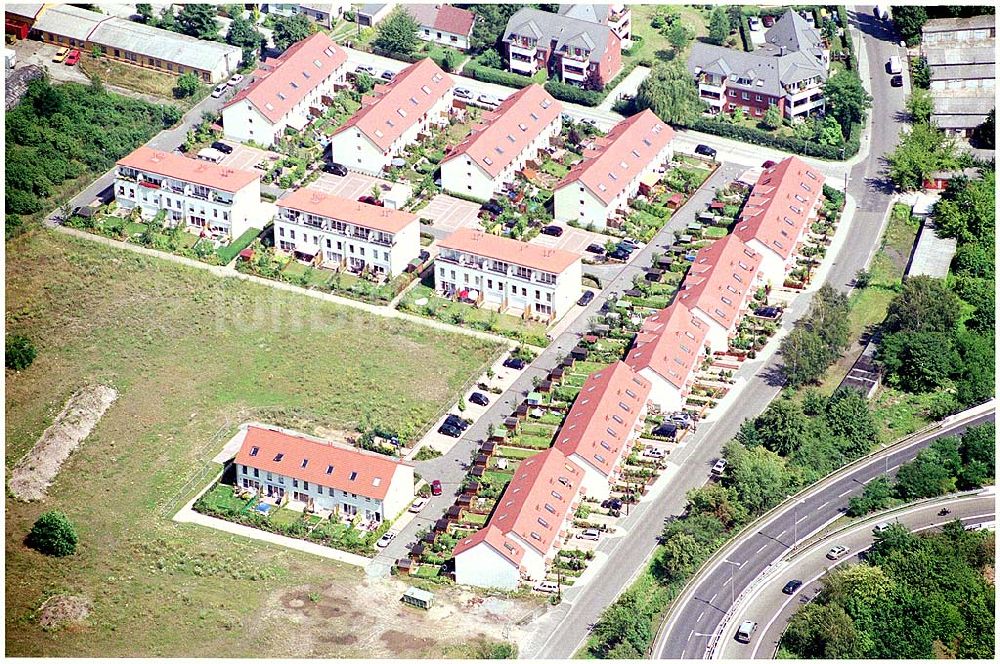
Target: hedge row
499	76
847	40
787	143
745	33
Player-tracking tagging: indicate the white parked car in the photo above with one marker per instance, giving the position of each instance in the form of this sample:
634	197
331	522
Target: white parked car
418	504
592	534
219	89
653	453
754	23
837	552
547	587
385	540
236	79
365	69
488	100
463	93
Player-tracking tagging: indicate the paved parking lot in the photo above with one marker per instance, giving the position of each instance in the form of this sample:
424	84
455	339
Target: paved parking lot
573	239
31	52
351	186
450	213
246	158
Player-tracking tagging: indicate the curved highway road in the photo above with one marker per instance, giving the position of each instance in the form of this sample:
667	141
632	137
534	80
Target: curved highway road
700	611
771	609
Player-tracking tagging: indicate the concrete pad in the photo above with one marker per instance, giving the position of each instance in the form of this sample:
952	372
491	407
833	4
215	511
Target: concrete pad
573	239
450	214
246	158
351	186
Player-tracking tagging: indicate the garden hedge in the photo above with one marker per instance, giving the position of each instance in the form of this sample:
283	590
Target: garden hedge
786	143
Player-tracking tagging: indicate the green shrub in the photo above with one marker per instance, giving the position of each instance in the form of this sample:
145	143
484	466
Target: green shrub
19	352
499	76
800	146
53	535
573	94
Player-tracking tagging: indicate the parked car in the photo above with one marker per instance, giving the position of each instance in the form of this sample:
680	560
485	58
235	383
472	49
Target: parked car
73	57
705	151
370	200
586	298
60	55
436	489
387	75
719	467
424	256
666	430
365	69
791	587
566	118
418	504
492	206
894	65
896	81
479	399
385	540
450	431
592	534
546	587
754	23
218	90
222	147
837	552
618	255
595	249
235	79
488	100
553	230
628	244
880	528
680	416
768	21
463	93
515	363
612	504
745	631
653	453
768	164
456	421
333	168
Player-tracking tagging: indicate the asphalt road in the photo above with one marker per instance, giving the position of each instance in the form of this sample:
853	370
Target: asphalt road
771	609
701	609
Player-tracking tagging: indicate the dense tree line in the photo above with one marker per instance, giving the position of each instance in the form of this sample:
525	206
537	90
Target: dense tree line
57	133
913	597
818	339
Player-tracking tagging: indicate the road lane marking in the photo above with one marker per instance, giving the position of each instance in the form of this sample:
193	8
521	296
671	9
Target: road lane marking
700	615
713	598
894	468
781	534
762	547
824	504
802	518
845	493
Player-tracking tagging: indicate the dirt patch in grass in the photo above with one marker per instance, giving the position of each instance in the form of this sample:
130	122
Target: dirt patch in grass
33	473
63	610
400	643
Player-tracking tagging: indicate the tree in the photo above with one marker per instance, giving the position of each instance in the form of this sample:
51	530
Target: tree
678	35
782	426
848	416
921	151
985	135
187	85
819	631
397	33
924	304
490	58
818	339
846	99
920	105
877	495
979	445
291	29
974	259
670	92
450	60
19	352
759	477
624	628
924	477
830	132
974	381
718	26
772	118
243	33
967	210
53	535
198	21
908	21
719	502
491	21
917	361
145	10
168	21
920	73
364	82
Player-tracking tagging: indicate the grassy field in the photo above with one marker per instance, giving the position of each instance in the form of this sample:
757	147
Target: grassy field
140	79
192	356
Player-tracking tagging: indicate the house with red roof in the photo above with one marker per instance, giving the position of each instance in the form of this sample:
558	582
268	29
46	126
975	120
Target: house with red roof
392	117
529	525
603	425
668	351
323	475
501	143
443	24
341	233
200	196
719	286
781	209
601	184
285	92
508	275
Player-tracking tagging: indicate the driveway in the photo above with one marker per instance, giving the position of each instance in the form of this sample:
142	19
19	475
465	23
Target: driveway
351	186
450	214
573	239
31	52
627	88
246	158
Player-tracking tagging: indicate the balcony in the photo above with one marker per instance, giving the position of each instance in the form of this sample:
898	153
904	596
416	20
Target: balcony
314	224
381	241
201	195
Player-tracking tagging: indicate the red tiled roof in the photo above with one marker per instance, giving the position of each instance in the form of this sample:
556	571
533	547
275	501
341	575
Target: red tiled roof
281	83
344	209
496	538
719	280
502	134
779	205
454	20
325	464
604	412
511	251
387	113
197	171
669	344
633	142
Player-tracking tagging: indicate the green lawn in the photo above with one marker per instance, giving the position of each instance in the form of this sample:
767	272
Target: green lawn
533	441
192	356
222	497
653	45
515	452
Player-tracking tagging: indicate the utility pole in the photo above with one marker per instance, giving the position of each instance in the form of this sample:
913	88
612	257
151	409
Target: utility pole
558	580
732	582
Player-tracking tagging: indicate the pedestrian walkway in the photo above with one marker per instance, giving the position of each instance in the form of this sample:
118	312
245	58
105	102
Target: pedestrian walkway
627	88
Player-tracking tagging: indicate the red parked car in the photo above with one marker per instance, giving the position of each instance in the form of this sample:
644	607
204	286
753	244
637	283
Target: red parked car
73	57
768	164
371	200
436	488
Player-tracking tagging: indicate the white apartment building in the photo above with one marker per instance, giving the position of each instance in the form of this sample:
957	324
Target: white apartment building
392	117
600	185
502	143
285	92
200	195
340	233
508	275
324	475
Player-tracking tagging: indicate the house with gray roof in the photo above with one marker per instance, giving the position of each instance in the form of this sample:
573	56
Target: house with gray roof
618	17
787	72
572	50
961	55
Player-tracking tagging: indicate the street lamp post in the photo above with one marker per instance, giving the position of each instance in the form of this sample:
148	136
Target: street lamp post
732	582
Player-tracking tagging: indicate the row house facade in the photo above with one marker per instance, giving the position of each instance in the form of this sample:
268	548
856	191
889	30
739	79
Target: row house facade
393	117
529	525
285	92
601	184
508	275
339	233
719	286
603	425
322	475
502	143
199	195
574	51
777	216
668	352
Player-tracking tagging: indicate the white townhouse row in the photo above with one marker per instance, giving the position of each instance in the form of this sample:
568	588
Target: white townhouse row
502	143
285	92
198	194
393	117
601	184
340	233
323	475
508	275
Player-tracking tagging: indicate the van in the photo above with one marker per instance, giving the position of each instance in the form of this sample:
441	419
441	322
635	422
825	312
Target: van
895	65
211	154
745	631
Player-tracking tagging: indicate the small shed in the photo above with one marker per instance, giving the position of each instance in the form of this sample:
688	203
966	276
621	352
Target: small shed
488	448
590	338
716	205
246	254
533	399
429	538
602	330
421	599
664	261
556	374
482	459
511	423
404	565
545	386
464	501
633	292
579	353
417	550
685	239
675	201
453	513
499	436
568	361
478	471
521	412
647	182
441	525
654	275
472	489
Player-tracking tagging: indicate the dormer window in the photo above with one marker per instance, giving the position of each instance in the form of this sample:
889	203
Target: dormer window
543	523
305	462
329	470
600	458
436	78
306	74
401	112
546	103
281	96
426	90
278	457
605	445
254	451
354	475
